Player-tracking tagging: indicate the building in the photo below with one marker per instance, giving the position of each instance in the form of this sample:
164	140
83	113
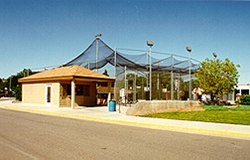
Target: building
241	89
68	86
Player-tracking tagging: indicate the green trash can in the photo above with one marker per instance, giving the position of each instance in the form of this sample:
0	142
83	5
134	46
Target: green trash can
112	105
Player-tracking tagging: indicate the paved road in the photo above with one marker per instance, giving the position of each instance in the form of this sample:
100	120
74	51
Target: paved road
31	136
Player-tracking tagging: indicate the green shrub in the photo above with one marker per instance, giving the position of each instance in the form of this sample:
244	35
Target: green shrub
18	93
245	99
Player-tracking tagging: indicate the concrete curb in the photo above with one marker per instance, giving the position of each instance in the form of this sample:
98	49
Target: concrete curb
196	130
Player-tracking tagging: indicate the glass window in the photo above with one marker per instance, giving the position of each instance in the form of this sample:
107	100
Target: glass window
245	91
81	90
103	84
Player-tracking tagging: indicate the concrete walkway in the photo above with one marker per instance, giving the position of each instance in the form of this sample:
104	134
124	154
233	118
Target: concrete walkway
101	114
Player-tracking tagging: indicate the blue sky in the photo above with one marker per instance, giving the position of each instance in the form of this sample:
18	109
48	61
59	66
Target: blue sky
39	33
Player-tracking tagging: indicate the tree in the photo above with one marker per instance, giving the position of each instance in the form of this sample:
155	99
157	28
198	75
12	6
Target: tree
16	87
11	83
217	77
2	84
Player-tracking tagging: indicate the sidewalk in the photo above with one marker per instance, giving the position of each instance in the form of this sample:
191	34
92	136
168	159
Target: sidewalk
101	114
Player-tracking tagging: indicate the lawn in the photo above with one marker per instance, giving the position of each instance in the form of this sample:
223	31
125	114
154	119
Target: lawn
221	114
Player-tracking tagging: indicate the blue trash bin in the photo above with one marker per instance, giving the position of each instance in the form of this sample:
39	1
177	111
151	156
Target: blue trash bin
112	105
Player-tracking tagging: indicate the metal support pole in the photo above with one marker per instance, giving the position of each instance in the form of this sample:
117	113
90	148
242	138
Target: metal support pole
126	86
115	59
147	70
134	89
189	49
179	81
115	88
96	55
150	75
172	78
96	51
158	84
150	44
190	80
172	85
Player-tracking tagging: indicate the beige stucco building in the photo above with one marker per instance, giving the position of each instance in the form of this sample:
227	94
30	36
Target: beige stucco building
64	87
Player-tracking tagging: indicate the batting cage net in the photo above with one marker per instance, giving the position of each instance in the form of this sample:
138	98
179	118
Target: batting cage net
170	73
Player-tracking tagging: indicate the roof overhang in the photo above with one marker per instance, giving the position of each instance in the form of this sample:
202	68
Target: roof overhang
66	78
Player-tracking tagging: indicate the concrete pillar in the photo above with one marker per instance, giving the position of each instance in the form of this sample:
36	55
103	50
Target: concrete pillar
109	93
109	98
73	98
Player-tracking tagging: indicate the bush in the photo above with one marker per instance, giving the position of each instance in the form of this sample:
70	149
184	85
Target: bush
18	93
245	99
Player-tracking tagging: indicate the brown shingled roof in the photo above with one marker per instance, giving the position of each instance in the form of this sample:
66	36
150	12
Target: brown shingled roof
64	73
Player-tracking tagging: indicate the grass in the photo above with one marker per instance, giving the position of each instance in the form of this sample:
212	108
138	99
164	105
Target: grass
220	114
227	108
